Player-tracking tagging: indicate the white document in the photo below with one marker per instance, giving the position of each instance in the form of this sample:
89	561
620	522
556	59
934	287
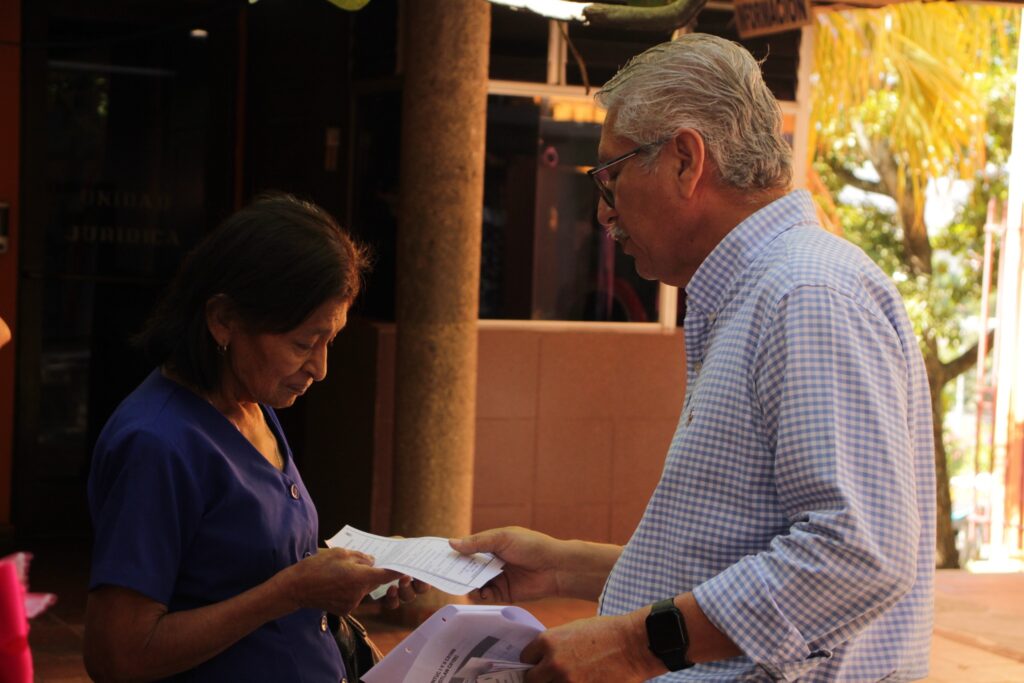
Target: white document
503	676
461	644
483	669
494	670
429	559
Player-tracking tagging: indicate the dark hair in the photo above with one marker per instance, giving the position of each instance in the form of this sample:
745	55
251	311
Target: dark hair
277	260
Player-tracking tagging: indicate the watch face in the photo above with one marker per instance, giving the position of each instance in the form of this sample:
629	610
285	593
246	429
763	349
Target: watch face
665	631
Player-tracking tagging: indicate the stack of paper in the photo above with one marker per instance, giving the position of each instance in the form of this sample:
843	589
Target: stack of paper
429	559
483	670
462	644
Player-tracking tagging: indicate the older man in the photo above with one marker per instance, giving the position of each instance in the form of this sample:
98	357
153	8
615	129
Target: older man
791	535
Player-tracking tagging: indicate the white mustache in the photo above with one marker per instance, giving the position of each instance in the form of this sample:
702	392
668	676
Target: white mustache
616	233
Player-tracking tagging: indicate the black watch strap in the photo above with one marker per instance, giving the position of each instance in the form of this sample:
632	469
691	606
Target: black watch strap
666	635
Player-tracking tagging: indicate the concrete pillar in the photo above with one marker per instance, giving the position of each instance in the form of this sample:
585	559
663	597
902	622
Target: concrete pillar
444	112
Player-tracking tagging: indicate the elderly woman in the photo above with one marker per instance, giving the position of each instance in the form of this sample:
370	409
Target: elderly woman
205	565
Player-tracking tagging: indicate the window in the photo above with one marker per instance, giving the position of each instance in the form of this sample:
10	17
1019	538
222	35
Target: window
540	219
544	255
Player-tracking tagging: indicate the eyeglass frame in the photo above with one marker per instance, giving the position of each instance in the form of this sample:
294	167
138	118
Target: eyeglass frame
606	192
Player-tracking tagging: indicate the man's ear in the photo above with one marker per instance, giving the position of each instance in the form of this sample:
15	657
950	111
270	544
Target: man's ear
220	319
688	148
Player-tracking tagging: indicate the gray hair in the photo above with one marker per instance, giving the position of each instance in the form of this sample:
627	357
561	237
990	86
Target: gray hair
714	86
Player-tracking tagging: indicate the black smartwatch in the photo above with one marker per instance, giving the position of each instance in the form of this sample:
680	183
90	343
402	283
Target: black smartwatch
666	635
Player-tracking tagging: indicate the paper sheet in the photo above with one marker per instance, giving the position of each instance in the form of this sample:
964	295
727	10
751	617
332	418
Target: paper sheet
503	676
429	559
484	670
462	644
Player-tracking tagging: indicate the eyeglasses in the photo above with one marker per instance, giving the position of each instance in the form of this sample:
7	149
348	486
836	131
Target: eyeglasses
601	175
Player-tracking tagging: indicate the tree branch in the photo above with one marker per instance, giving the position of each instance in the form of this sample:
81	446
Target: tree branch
853	181
965	361
917	250
666	17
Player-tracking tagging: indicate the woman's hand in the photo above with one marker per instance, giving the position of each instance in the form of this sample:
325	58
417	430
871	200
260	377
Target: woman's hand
129	636
406	591
334	579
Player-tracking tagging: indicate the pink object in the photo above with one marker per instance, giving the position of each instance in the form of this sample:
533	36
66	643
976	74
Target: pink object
15	657
35	603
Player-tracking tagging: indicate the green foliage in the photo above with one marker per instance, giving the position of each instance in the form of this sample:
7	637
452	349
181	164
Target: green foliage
898	104
911	82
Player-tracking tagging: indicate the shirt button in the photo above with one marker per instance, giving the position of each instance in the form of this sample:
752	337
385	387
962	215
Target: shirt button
323	623
294	490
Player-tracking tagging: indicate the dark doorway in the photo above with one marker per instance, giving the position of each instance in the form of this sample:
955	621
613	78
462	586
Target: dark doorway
128	117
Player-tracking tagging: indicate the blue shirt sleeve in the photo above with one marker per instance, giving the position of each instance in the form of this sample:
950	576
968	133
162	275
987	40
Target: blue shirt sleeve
831	382
146	504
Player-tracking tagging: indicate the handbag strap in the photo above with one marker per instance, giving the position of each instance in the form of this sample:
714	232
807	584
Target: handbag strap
361	636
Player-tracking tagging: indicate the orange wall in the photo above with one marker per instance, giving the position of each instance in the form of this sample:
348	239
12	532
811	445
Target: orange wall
10	77
572	428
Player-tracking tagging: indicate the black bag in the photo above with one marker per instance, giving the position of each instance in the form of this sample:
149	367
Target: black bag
358	652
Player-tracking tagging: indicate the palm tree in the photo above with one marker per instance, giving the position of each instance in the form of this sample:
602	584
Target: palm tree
903	96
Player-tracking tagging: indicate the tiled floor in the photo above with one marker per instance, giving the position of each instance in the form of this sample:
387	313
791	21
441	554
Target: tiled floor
979	622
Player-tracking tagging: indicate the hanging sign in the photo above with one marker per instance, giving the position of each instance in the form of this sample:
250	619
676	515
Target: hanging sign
761	17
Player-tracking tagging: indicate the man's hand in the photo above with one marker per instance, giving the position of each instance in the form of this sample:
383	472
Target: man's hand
596	649
532	562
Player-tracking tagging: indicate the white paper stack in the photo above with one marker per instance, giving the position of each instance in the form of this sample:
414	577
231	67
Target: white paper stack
482	670
462	644
429	559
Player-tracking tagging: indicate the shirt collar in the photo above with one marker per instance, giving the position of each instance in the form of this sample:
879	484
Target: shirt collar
714	278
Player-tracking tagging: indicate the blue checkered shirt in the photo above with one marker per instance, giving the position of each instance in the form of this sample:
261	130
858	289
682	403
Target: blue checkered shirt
797	501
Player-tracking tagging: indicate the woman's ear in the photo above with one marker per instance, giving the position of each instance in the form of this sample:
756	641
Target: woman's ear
688	147
220	319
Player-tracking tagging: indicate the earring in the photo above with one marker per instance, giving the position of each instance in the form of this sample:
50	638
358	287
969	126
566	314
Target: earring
222	349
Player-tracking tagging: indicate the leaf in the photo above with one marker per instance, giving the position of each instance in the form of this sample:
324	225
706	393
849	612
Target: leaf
349	5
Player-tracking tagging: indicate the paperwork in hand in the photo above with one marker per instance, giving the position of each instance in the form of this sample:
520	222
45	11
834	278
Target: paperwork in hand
462	644
429	559
483	670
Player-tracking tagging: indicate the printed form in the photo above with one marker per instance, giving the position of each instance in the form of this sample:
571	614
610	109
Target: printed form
462	644
429	559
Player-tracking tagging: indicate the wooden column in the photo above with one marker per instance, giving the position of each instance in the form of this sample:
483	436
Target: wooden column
444	110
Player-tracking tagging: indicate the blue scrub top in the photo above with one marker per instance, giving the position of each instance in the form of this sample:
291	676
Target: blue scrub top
187	512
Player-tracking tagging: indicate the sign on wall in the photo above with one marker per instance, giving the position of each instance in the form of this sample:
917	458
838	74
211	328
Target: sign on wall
761	17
